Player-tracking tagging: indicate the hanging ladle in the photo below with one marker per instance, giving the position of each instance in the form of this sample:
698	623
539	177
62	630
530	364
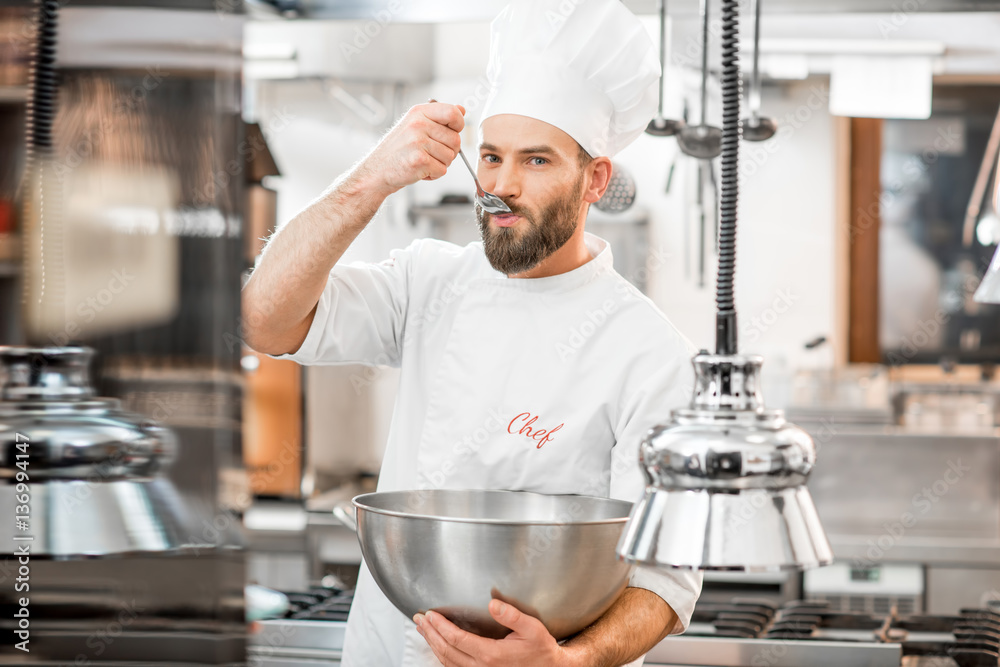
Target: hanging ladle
702	141
757	127
660	126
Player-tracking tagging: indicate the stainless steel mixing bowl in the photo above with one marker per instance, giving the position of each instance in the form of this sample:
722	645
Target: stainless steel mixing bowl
453	551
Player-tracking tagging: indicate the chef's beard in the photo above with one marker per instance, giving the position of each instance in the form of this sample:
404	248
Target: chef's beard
512	250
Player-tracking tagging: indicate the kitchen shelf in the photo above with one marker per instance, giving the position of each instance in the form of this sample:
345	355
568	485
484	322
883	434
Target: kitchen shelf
14	94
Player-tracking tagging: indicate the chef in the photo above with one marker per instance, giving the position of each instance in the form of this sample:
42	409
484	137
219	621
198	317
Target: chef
527	363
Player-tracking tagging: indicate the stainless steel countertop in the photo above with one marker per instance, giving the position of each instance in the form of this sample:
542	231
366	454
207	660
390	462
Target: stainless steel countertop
959	552
705	651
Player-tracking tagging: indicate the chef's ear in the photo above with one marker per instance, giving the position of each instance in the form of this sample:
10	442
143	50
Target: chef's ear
597	175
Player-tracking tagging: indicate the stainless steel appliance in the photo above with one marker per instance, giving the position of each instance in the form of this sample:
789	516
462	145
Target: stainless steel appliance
88	516
739	632
915	497
749	632
890	497
874	589
312	630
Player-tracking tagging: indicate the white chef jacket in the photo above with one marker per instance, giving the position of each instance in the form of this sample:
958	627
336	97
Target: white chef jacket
541	384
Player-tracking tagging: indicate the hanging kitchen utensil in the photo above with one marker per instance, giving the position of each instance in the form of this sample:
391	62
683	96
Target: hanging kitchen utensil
982	183
700	203
692	216
988	228
660	126
757	127
686	216
989	288
620	194
673	162
670	175
702	141
715	206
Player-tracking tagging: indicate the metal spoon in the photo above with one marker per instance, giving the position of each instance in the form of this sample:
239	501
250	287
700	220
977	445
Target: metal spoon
488	201
660	126
702	141
757	127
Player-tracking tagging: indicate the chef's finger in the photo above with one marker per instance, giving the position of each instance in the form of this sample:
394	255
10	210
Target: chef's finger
422	162
445	652
466	642
439	152
444	135
452	115
523	624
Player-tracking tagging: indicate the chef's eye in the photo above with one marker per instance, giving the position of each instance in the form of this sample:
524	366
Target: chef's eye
491	158
538	161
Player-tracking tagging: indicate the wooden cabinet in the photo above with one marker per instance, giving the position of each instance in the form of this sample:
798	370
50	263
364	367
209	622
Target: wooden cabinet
272	425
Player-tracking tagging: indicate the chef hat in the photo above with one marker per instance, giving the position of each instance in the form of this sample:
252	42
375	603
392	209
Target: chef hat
587	67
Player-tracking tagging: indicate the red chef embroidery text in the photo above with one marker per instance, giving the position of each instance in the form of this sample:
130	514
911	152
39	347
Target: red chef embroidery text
540	435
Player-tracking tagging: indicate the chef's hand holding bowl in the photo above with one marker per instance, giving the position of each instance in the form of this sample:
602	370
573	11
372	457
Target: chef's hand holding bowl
528	644
420	146
495	577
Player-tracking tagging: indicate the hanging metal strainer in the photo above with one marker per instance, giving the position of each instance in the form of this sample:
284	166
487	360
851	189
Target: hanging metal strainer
620	194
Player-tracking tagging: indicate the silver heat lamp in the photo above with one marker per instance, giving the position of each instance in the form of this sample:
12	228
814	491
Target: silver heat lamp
726	481
726	478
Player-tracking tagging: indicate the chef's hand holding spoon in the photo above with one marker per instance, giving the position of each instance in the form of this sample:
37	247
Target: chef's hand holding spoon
280	298
488	201
420	146
529	645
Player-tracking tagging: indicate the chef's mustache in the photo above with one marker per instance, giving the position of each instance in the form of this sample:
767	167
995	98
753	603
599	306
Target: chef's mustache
515	209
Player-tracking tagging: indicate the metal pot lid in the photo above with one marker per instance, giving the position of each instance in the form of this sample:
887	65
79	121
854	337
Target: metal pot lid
44	373
50	419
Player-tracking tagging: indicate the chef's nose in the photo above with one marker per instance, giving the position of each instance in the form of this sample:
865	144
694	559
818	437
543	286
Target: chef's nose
506	183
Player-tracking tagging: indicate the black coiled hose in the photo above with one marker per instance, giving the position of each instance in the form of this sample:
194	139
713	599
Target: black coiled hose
41	107
39	118
725	322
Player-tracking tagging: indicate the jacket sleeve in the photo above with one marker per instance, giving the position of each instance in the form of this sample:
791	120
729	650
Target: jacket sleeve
669	387
361	314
